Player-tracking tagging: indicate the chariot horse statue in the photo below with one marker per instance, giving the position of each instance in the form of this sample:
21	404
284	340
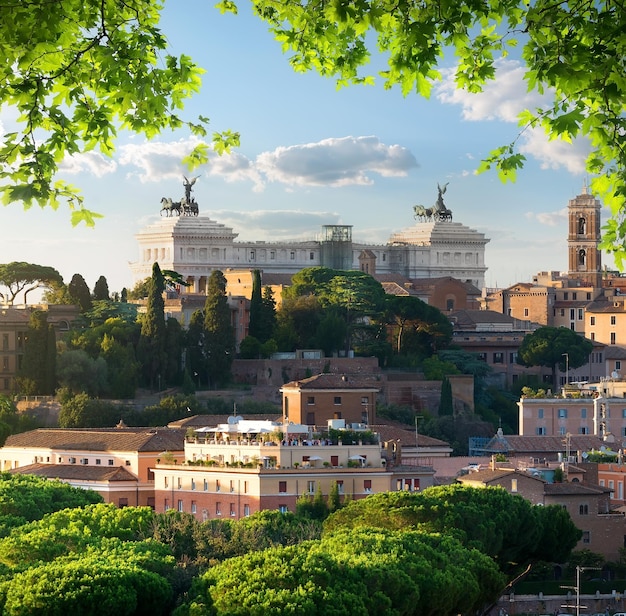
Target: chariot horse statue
170	207
187	206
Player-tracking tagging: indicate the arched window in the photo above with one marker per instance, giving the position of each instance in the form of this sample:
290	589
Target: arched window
582	225
582	256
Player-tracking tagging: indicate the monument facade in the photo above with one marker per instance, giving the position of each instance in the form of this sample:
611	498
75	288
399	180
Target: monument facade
194	245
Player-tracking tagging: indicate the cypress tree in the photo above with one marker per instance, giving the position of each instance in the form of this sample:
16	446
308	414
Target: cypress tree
101	290
219	334
79	292
268	315
37	373
151	349
445	402
256	307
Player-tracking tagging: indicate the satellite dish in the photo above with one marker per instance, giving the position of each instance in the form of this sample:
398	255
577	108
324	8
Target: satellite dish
615	374
603	449
232	420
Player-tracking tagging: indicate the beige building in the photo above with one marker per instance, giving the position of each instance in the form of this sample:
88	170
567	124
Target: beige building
234	470
115	462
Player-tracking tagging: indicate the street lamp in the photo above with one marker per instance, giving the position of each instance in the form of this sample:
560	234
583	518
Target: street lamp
566	355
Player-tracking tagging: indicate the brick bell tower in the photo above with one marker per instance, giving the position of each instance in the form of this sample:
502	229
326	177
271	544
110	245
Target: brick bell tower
584	257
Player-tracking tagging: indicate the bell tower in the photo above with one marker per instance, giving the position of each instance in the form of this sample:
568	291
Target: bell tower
584	257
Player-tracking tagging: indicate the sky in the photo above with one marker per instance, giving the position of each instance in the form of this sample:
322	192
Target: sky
311	155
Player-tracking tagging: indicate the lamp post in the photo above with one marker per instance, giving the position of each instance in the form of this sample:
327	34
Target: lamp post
566	355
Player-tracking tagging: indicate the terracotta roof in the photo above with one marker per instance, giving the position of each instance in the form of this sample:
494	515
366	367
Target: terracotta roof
76	471
552	444
101	439
333	381
393	288
573	487
394	431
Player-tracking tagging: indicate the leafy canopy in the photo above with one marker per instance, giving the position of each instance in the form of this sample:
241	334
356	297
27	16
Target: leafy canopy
77	72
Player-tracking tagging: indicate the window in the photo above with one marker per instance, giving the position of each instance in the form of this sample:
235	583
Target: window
179	483
292	255
580	314
572	314
194	508
574	295
562	312
5	342
282	487
612	337
310	400
540	431
562	413
364	400
193	484
272	255
449	304
539	413
206	485
367	485
337	400
181	508
233	513
525	312
513	357
618	364
566	295
166	482
246	510
98	462
283	508
498	358
311	487
218	508
252	255
583	430
586	536
592	321
123	502
513	485
218	487
583	413
232	485
562	431
340	486
612	319
110	462
311	256
167	504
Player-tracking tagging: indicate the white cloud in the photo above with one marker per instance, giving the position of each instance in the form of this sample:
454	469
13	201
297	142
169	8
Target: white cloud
556	153
551	219
90	162
156	160
335	162
235	167
502	99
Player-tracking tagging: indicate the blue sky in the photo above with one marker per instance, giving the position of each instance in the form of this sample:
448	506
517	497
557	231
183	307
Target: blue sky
312	155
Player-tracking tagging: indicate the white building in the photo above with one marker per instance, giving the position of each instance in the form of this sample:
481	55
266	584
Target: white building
194	246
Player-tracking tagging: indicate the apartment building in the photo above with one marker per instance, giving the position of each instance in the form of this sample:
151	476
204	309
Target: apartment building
236	469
